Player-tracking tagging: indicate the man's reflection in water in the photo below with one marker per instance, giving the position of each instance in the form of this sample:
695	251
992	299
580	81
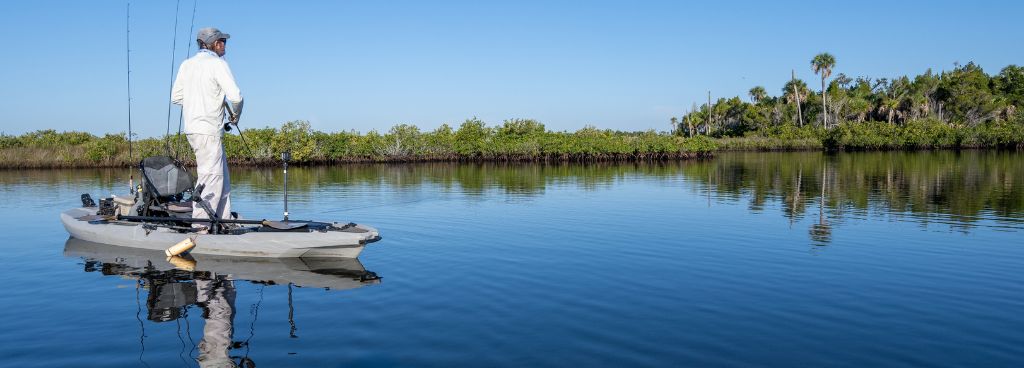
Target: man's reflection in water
217	298
170	294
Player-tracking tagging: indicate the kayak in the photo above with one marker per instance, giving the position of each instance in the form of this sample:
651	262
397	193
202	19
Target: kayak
298	239
330	273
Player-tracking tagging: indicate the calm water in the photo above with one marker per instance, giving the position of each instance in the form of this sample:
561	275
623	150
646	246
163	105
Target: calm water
782	259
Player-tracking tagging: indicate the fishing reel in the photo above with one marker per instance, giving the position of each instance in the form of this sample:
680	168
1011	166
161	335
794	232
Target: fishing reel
233	112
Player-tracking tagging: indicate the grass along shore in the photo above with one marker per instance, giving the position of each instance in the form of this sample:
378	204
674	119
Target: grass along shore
514	140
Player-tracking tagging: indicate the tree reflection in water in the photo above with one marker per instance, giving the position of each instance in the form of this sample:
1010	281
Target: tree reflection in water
821	232
959	189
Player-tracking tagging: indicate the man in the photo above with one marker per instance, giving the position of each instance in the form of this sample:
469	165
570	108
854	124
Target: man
203	87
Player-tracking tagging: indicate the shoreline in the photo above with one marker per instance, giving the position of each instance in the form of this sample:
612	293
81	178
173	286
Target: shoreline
579	159
515	141
246	162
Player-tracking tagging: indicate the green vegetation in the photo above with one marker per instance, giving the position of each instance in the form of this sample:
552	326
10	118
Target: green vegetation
514	140
960	108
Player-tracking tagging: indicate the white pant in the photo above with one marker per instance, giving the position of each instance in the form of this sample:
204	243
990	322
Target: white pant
212	170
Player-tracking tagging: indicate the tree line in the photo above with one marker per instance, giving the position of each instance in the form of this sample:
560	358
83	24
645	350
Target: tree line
962	98
473	140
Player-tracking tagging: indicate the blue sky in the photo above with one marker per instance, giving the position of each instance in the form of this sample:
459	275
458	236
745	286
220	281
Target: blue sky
346	65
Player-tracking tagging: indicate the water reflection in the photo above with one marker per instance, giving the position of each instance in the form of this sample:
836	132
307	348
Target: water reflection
176	284
960	190
821	231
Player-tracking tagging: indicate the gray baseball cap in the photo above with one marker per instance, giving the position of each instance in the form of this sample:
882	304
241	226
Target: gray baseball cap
209	35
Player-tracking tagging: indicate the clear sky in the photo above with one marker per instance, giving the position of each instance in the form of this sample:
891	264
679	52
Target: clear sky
348	65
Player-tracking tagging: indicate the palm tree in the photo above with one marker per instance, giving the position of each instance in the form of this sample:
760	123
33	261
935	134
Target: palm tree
689	119
822	64
757	94
795	91
888	107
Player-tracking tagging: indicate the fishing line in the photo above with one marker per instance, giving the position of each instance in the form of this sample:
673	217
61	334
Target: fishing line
170	88
181	112
255	312
188	332
181	353
142	327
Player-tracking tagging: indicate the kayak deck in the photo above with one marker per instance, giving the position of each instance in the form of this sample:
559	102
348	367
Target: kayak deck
341	240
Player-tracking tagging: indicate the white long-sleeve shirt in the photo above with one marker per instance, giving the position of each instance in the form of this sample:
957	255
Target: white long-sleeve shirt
202	84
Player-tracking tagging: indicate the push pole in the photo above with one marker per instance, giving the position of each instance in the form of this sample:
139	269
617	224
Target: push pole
286	156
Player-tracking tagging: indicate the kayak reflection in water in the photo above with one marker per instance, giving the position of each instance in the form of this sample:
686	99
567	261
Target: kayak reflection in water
209	282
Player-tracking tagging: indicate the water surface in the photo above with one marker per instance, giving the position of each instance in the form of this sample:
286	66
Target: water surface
767	259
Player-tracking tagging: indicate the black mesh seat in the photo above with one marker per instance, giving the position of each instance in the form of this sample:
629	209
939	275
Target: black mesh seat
166	186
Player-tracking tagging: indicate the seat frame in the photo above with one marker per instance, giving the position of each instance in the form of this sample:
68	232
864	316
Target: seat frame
155	203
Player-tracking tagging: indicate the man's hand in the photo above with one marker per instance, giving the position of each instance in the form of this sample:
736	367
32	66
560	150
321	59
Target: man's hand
233	110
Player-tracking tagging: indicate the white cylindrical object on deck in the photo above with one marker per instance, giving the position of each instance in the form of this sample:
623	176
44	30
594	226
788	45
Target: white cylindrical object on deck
182	247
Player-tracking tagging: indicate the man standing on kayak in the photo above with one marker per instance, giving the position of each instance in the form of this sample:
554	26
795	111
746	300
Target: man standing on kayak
203	87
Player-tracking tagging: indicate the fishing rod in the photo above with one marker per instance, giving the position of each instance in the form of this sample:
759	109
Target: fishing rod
227	128
181	112
170	87
233	117
128	57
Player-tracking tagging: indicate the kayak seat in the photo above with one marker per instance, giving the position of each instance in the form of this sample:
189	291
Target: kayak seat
168	186
180	207
174	209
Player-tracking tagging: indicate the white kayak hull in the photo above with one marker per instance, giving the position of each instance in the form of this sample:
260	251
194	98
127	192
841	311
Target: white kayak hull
342	244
